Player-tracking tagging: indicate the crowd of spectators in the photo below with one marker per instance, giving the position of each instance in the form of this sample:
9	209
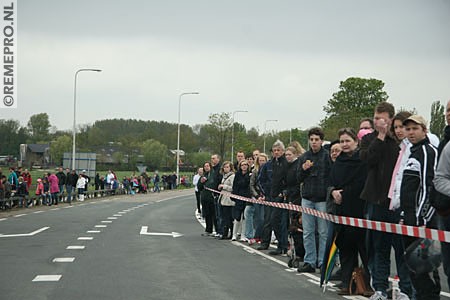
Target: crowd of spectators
382	171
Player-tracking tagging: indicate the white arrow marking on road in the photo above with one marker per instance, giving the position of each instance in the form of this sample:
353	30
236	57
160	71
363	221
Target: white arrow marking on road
144	230
24	234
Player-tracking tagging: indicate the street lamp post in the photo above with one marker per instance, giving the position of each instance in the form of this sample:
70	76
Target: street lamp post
75	111
265	123
232	133
178	135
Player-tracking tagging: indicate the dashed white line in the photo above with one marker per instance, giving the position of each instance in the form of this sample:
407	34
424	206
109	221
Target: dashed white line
106	221
64	259
21	215
40	278
3	219
56	208
85	238
112	218
117	215
100	226
38	212
93	231
75	247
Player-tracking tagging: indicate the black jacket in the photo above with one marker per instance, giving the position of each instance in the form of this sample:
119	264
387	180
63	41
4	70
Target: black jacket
416	183
61	178
316	179
293	182
71	179
279	170
380	157
241	187
349	174
206	195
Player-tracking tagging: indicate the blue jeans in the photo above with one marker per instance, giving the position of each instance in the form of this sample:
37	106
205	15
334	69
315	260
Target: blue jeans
379	249
309	233
258	220
69	193
61	192
248	216
279	220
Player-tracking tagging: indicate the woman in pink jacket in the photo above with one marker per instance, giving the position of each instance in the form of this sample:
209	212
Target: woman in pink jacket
54	187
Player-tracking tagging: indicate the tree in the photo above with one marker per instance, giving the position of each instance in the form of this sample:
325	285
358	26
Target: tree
154	153
437	121
11	136
219	130
39	127
58	147
356	99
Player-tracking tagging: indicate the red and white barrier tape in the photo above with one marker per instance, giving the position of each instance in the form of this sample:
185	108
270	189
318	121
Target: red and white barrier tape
420	232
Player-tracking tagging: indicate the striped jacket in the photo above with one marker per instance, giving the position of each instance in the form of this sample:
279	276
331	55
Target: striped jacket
416	183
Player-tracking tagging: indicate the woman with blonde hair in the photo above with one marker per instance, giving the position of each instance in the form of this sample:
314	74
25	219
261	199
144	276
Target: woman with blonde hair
257	192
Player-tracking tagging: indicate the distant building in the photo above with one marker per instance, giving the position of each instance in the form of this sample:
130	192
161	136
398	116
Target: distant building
35	155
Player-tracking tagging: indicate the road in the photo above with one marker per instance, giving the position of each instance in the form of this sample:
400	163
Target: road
106	249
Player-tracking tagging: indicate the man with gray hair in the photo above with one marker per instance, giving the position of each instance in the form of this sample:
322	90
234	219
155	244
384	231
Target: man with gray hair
278	192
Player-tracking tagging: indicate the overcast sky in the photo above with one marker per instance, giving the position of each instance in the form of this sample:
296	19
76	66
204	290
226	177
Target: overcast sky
277	59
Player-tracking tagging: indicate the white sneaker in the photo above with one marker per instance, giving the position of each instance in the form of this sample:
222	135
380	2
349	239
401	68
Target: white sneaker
378	296
233	238
243	239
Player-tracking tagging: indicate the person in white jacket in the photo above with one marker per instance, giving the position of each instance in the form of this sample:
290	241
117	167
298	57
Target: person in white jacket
226	203
81	183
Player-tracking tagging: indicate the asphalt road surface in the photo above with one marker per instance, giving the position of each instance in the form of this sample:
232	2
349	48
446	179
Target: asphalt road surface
136	247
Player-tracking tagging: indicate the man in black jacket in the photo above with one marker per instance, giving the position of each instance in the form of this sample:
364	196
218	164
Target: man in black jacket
314	173
278	194
379	150
414	199
71	182
61	182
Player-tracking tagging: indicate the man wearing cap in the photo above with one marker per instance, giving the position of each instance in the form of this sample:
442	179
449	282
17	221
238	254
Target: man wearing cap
414	198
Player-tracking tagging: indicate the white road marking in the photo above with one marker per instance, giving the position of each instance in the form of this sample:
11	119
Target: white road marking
144	231
117	215
21	215
47	278
56	208
3	219
38	212
25	234
64	259
93	231
112	218
70	206
106	221
262	254
75	247
101	226
85	238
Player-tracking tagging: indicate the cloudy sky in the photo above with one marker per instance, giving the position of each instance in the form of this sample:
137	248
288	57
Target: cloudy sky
277	59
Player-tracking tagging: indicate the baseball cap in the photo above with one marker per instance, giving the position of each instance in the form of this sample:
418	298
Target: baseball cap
416	119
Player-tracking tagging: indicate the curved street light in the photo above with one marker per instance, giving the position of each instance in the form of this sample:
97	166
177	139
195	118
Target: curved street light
265	123
75	112
178	135
232	132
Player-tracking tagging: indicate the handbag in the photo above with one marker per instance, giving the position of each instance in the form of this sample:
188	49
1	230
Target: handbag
358	284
